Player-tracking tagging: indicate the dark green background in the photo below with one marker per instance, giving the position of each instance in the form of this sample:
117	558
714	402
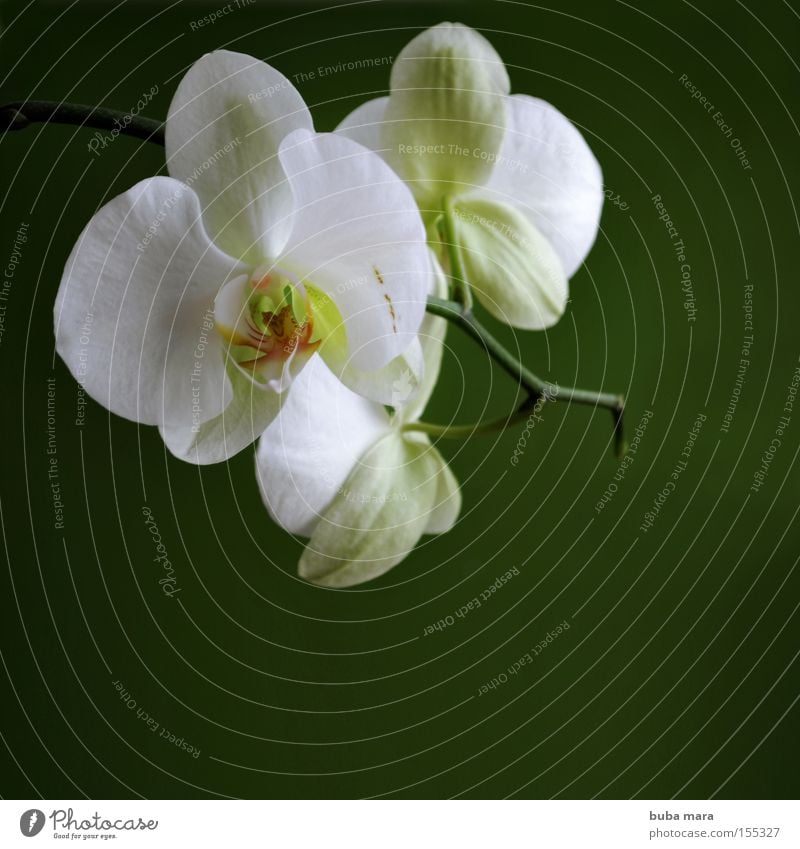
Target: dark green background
677	676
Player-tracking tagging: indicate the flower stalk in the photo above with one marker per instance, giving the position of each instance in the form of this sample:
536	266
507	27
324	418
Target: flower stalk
22	113
535	386
18	115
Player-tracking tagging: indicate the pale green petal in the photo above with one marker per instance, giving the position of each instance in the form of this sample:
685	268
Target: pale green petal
445	118
378	516
447	504
513	269
431	338
547	170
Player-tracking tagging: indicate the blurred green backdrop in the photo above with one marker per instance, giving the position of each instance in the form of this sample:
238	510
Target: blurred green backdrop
678	673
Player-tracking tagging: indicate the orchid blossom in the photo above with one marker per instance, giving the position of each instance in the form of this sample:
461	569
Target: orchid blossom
514	182
194	301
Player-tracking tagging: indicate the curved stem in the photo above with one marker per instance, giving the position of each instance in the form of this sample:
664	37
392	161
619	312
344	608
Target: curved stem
536	387
472	327
464	431
21	113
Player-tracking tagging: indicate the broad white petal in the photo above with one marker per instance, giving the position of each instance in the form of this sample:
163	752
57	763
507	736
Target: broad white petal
225	124
395	384
363	124
358	238
549	171
134	311
378	516
307	453
249	413
445	118
512	268
408	381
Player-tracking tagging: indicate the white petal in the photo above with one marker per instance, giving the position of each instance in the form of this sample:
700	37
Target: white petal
378	517
225	124
363	124
549	171
394	384
445	117
408	381
133	308
359	238
230	312
249	413
431	336
307	453
510	265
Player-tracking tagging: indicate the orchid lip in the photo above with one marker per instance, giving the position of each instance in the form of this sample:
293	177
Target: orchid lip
268	314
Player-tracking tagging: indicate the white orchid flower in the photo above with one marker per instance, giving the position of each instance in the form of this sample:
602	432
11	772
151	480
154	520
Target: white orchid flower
522	186
193	301
344	472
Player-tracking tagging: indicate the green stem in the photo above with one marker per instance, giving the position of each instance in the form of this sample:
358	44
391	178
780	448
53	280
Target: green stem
465	431
535	386
21	113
